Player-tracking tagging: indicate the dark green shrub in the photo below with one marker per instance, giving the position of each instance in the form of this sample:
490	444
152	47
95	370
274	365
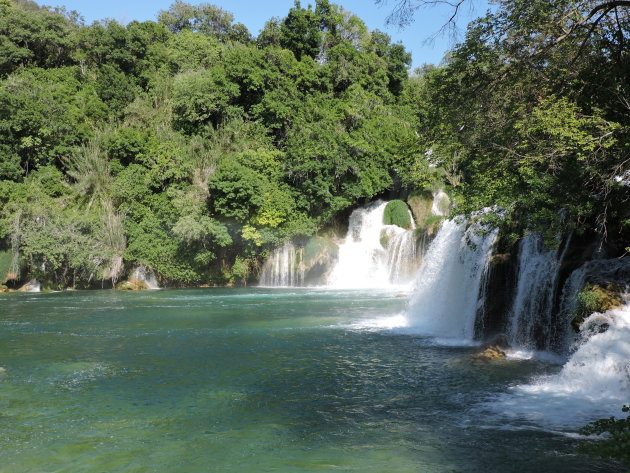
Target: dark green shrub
616	446
397	213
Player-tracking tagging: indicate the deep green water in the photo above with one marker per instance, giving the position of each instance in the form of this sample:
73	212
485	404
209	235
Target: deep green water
236	380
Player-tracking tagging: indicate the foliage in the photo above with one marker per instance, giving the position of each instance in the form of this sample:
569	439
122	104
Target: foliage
397	213
615	445
6	260
595	298
521	115
189	147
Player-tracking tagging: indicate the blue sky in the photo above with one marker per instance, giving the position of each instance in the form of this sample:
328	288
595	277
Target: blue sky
254	14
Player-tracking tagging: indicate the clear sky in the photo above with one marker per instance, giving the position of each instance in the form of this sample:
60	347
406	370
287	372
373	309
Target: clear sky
254	14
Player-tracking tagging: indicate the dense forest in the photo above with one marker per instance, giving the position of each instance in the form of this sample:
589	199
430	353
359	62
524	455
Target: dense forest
191	147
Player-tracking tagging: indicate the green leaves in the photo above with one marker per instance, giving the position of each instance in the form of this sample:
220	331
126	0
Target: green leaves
616	446
203	97
189	148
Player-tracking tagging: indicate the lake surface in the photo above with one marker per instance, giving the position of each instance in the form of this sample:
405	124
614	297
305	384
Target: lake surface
254	380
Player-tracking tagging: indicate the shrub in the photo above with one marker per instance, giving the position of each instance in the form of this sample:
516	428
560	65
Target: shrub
397	213
616	445
595	298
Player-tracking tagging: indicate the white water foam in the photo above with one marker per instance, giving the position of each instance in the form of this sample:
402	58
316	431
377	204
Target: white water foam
446	295
594	383
33	286
441	204
363	262
144	274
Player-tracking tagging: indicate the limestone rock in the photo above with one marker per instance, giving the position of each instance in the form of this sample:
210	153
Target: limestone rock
490	354
493	349
132	285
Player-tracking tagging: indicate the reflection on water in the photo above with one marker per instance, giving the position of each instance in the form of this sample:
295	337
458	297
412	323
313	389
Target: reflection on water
252	380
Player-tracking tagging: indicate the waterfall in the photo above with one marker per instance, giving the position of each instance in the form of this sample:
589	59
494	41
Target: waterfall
441	204
600	366
364	262
401	257
530	319
145	275
448	283
284	267
594	382
33	286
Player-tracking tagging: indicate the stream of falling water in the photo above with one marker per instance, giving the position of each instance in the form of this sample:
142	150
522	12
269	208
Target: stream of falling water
446	295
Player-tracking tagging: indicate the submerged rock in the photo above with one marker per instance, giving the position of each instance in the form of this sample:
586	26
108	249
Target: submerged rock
493	349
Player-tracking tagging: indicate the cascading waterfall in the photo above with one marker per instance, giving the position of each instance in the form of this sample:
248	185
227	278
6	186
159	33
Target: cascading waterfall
441	203
284	267
530	323
363	262
600	366
33	286
142	273
401	257
361	255
594	382
448	283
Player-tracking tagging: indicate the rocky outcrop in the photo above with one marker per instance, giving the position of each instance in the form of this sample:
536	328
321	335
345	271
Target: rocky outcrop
420	205
498	285
596	298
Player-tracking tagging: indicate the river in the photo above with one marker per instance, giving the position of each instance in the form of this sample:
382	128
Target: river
256	380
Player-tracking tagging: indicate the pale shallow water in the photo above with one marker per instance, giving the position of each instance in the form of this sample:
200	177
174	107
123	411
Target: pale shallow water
256	380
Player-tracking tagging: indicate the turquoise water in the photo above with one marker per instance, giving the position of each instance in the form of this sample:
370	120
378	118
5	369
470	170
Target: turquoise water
252	380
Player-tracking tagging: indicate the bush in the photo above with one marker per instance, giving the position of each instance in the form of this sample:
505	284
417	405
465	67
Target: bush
616	446
595	298
397	213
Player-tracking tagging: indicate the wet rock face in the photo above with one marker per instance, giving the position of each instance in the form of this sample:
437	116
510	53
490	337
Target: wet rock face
500	285
420	206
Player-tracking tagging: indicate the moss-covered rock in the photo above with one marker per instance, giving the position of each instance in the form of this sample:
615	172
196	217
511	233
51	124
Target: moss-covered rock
431	224
596	298
397	213
420	205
